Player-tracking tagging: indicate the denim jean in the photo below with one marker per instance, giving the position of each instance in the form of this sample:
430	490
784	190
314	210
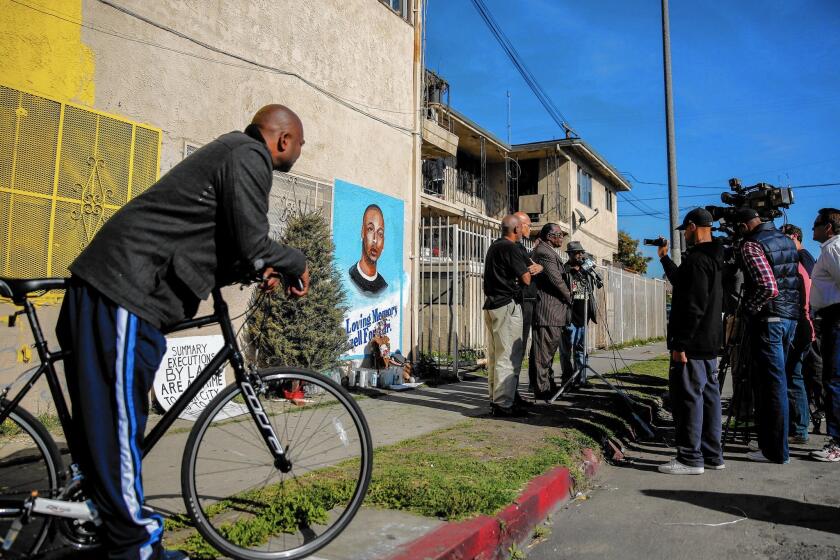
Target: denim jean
695	404
771	340
797	396
573	360
831	377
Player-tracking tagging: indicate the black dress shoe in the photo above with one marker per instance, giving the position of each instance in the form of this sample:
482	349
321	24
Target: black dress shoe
507	412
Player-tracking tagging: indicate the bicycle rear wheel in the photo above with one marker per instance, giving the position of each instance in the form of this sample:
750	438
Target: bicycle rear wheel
246	507
29	461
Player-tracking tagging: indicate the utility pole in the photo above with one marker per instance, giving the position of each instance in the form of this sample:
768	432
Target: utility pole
673	202
508	120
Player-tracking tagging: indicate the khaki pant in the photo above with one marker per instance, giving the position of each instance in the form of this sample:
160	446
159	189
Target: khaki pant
505	351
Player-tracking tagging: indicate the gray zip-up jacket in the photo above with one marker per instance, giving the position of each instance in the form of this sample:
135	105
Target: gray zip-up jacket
201	225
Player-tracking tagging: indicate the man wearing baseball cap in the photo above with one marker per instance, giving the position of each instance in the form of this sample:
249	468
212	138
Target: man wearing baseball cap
694	336
771	301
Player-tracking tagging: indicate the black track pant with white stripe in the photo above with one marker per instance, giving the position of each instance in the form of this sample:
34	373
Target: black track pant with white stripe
114	358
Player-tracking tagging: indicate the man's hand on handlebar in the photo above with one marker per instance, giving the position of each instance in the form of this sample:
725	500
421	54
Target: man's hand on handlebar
297	287
270	280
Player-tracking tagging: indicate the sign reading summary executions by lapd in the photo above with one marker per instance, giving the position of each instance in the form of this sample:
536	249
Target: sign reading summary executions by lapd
368	229
183	361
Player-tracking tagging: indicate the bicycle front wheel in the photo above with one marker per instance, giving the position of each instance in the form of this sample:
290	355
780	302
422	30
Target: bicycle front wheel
29	461
245	506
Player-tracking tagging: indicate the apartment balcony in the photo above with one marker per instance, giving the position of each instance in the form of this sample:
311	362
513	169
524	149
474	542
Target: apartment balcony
456	186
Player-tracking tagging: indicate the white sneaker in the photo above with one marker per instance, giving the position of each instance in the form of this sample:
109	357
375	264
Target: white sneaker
713	467
675	467
758	457
830	453
753	445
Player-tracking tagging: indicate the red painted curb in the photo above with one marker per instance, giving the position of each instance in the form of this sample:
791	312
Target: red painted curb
485	537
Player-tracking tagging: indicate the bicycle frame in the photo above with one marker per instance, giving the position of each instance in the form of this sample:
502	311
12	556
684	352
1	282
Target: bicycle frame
229	353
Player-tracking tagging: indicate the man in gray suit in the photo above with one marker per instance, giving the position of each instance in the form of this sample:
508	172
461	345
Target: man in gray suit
552	310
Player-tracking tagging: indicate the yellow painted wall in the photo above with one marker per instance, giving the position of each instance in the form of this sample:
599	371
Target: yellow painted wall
41	49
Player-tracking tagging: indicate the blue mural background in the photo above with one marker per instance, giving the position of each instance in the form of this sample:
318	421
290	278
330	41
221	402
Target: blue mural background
365	310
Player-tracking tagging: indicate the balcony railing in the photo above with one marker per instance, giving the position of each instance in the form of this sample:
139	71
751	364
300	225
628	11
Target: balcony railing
462	186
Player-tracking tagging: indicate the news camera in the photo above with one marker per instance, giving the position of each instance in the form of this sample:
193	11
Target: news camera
764	198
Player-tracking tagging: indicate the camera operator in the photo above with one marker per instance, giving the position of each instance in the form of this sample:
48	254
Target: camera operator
772	303
583	311
694	336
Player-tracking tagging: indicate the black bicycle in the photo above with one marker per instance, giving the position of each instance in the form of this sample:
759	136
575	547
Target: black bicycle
276	465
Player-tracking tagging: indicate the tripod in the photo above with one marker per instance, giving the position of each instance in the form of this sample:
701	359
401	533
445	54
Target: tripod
585	367
740	405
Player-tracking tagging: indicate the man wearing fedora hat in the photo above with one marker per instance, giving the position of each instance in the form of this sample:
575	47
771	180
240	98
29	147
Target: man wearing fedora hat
694	336
583	311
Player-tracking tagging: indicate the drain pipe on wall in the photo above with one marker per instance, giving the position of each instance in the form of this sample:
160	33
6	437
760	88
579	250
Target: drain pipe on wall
414	293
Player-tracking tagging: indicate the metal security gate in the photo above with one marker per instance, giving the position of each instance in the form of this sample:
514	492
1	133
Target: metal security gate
64	170
452	253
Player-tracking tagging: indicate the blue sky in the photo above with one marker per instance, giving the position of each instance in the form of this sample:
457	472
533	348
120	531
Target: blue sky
756	91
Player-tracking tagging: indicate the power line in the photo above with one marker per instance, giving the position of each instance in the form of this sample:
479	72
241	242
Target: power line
633	178
816	186
521	67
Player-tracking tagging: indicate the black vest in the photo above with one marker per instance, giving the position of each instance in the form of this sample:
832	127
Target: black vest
784	259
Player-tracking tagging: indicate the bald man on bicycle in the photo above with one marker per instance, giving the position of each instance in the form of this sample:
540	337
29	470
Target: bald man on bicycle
201	226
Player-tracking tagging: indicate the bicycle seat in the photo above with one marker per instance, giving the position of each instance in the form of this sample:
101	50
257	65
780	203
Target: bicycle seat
18	288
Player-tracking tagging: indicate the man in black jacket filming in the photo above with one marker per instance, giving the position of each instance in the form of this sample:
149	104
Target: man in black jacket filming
694	336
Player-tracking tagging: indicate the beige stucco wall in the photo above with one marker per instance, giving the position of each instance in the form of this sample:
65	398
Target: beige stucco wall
599	235
359	50
497	187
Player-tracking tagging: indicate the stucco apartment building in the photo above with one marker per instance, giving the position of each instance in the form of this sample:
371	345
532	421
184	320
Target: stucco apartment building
99	98
471	179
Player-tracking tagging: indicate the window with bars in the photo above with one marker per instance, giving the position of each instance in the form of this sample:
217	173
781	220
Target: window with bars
64	170
293	195
584	190
401	7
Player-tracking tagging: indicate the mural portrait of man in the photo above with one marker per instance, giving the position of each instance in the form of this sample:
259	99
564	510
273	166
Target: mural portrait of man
364	274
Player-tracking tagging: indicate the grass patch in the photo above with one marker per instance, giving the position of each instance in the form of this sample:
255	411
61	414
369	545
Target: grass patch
657	367
10	429
636	342
476	467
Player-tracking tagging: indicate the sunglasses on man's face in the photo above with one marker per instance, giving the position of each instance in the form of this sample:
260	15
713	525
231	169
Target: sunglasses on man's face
556	235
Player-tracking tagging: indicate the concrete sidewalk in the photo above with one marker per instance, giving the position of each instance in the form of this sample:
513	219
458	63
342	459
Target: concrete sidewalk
748	510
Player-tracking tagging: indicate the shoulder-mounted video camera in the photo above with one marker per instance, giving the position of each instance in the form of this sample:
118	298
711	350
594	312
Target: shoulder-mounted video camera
764	198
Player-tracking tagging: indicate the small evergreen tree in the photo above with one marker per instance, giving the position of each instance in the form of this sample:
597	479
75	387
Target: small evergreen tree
306	332
628	254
